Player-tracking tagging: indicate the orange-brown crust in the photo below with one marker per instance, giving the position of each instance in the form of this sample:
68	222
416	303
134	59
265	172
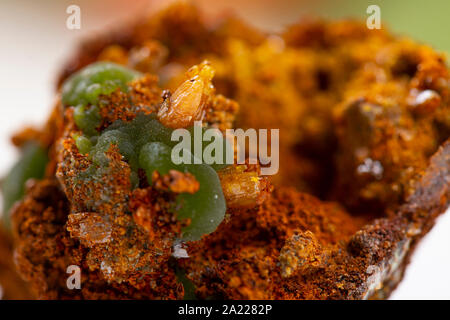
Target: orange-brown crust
12	287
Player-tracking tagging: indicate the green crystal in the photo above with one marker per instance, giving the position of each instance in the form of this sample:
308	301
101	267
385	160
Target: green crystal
83	89
31	164
101	78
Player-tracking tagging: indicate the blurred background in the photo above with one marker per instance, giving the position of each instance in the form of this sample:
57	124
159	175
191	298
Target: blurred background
35	43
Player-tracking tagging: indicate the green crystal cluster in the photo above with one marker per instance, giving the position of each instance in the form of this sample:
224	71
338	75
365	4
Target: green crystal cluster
144	143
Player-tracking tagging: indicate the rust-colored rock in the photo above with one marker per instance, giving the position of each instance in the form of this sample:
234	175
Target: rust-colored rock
364	121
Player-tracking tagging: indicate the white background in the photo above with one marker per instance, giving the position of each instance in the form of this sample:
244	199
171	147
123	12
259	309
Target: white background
34	43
